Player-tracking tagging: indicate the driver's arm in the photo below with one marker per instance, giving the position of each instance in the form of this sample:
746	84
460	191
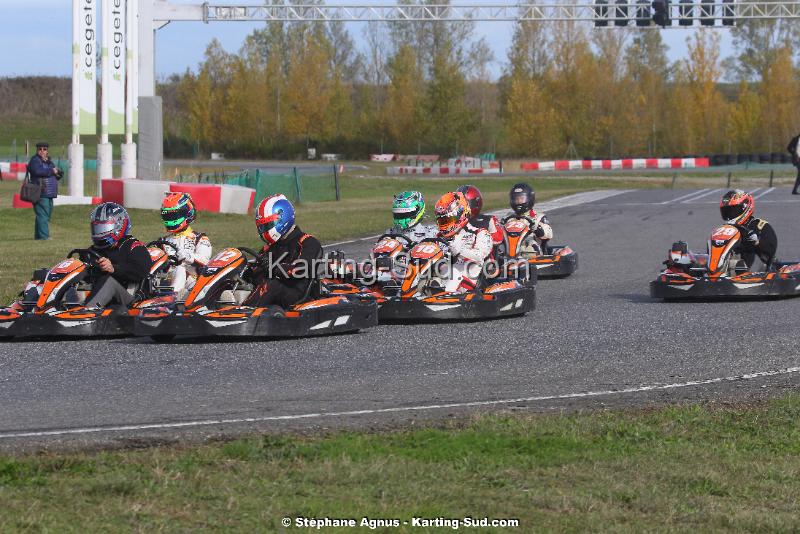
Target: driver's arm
134	265
767	246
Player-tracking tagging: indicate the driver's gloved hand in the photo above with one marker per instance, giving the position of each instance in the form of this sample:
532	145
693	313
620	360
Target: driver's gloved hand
752	238
383	263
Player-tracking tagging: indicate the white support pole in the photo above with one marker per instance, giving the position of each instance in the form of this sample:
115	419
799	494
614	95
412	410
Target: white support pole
104	152
75	150
128	148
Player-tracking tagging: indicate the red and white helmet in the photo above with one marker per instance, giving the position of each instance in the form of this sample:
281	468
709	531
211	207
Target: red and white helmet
737	207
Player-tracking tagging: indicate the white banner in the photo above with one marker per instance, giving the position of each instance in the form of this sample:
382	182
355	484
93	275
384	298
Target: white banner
132	88
114	63
84	66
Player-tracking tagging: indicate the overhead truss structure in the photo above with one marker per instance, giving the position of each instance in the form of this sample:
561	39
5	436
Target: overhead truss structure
557	11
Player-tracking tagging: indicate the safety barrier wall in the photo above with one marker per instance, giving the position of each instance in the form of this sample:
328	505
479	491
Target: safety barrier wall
440	170
12	170
147	194
615	164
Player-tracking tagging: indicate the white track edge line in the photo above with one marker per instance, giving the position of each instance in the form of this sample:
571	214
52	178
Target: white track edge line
761	194
693	193
711	192
398	409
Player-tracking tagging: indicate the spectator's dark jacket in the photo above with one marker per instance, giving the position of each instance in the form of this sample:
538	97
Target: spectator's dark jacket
42	172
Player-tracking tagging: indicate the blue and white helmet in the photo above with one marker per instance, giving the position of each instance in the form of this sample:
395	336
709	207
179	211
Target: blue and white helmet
274	218
109	223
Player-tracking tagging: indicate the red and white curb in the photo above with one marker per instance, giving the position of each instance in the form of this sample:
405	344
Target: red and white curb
440	170
615	164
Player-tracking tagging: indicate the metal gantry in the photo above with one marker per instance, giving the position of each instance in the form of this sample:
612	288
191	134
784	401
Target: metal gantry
558	11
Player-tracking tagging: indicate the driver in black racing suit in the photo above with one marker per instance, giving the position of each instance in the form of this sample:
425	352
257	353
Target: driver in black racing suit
758	236
287	261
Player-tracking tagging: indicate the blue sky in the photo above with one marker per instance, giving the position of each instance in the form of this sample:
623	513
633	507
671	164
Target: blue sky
39	43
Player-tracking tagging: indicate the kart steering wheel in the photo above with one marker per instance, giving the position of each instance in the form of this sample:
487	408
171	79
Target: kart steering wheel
249	252
86	255
173	258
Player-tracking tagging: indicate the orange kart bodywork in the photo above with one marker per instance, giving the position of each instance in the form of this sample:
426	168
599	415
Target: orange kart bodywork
49	315
205	313
721	275
559	262
414	298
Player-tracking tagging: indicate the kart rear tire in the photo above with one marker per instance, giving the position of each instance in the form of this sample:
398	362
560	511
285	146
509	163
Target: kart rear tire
163	338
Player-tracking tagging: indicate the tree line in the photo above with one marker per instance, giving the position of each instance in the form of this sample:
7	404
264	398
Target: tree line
566	89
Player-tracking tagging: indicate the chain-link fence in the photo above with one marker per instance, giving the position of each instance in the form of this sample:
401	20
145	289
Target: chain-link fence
298	184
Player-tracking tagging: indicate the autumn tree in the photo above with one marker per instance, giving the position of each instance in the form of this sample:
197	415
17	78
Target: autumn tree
404	114
744	120
647	68
779	94
309	91
706	108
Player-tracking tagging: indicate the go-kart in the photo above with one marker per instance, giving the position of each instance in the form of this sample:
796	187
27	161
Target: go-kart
416	292
558	261
51	304
721	274
214	307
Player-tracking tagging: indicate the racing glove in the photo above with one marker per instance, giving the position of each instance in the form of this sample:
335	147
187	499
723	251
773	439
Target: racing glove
752	238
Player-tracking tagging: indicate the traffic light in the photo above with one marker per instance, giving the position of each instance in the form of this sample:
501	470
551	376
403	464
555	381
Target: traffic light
661	13
600	14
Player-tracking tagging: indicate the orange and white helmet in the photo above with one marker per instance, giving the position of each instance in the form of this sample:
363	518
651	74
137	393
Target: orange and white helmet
737	207
452	213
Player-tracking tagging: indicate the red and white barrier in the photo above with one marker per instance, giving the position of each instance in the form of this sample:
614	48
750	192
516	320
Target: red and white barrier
440	170
615	164
382	157
147	194
12	170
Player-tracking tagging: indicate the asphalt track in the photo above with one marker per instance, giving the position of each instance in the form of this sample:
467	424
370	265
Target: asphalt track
596	339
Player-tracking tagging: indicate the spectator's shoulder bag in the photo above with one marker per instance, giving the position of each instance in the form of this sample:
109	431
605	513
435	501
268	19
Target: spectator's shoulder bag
30	192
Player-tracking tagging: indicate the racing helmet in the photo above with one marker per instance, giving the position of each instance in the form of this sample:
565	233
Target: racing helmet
737	207
109	223
474	199
408	208
452	213
177	212
274	218
522	197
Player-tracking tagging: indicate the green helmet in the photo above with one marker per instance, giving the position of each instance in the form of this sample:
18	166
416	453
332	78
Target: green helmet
407	209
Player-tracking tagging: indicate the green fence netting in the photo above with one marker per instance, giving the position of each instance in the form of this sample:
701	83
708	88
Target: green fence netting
299	185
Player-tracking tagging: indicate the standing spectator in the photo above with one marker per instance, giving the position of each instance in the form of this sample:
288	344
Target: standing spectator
793	151
44	172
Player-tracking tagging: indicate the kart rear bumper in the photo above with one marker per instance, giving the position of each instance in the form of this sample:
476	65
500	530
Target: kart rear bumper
766	285
562	263
258	322
517	301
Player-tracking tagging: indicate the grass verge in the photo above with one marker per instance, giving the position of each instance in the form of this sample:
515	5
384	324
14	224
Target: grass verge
364	210
685	468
